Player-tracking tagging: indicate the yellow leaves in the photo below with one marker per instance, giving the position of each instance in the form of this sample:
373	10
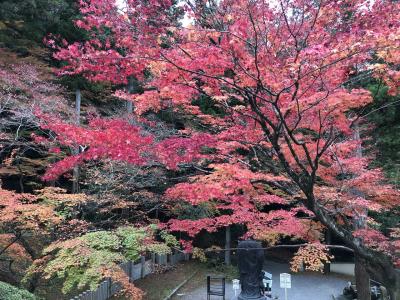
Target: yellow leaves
229	17
312	257
391	55
37	212
199	254
221	98
58	196
270	237
191	34
2	25
156	68
214	248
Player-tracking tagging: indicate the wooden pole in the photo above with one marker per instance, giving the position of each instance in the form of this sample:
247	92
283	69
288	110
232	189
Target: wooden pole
227	245
75	172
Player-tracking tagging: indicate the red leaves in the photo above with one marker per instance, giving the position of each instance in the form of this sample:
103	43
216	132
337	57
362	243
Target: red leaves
279	79
375	239
57	169
238	201
175	150
118	140
113	139
134	28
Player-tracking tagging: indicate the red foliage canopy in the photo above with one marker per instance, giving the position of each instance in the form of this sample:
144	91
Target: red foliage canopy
280	72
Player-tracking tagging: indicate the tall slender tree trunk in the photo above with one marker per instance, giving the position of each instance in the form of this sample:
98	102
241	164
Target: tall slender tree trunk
328	241
394	293
131	87
360	271
227	245
362	279
75	171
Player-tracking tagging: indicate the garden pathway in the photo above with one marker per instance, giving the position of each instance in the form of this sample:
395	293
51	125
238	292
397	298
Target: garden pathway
305	285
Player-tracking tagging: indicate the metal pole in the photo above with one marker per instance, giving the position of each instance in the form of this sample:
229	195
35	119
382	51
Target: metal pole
285	293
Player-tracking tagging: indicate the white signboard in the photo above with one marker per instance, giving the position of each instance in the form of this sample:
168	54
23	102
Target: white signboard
236	285
285	281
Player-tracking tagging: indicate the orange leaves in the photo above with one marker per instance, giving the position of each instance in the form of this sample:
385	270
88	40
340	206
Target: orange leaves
35	212
128	289
149	101
311	257
18	211
14	251
226	180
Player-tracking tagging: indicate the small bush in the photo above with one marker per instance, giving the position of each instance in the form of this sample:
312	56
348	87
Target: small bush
9	292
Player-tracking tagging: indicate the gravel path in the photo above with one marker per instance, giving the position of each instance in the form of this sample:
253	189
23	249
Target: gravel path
305	286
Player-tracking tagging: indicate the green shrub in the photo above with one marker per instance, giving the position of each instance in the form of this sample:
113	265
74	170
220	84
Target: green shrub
83	262
9	292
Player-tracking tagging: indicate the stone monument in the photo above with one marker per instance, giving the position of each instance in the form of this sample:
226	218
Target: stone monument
251	260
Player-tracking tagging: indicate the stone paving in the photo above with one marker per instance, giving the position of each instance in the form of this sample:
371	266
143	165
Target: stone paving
305	286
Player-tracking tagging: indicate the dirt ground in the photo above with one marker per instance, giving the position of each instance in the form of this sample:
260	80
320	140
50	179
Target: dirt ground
158	286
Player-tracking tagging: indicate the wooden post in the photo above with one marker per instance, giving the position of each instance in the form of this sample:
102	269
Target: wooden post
75	172
129	104
328	241
130	271
153	261
142	265
109	288
77	106
227	245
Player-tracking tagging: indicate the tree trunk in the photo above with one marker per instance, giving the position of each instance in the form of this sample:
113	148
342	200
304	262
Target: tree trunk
379	265
328	241
75	172
77	106
362	279
394	294
361	273
227	245
387	275
131	88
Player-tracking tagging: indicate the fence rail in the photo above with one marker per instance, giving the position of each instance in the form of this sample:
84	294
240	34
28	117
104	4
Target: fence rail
134	271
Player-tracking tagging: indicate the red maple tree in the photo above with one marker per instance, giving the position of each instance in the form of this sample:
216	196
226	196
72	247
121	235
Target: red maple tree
280	73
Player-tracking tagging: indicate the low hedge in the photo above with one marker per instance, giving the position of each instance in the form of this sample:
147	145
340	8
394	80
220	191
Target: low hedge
10	292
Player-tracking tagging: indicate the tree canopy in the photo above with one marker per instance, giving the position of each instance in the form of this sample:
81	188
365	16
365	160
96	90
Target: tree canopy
275	101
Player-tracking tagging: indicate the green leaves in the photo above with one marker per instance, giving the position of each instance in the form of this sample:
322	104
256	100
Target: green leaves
83	262
102	240
9	292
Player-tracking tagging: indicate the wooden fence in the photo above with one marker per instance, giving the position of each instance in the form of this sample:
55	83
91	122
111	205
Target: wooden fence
134	271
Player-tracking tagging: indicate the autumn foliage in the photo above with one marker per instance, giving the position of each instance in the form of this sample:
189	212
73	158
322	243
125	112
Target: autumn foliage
281	77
